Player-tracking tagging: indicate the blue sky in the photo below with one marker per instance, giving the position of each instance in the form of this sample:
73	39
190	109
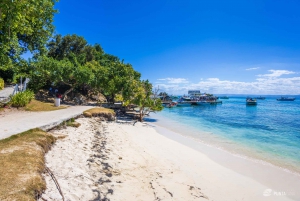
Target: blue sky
222	47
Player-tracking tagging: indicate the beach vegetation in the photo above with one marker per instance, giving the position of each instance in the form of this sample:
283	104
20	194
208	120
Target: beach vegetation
67	63
8	75
22	164
24	28
146	100
63	72
74	65
21	99
109	114
71	122
1	83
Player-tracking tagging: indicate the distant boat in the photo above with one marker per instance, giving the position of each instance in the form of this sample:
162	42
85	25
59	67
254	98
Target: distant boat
196	98
251	101
261	98
286	98
223	97
172	104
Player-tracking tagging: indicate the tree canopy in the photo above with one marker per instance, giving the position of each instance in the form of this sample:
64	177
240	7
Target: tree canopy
144	100
73	62
67	61
24	25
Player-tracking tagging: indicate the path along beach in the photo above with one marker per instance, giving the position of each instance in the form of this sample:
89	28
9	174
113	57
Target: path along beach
120	161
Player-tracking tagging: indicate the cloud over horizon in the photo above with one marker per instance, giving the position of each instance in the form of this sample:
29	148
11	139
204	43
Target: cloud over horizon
266	84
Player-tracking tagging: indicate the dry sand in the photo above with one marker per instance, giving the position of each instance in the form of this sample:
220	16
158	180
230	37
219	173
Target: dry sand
118	161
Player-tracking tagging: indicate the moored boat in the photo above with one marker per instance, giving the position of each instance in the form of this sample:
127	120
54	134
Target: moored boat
172	104
251	101
196	98
286	98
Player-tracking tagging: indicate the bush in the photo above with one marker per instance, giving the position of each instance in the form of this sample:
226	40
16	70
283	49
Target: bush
21	99
1	83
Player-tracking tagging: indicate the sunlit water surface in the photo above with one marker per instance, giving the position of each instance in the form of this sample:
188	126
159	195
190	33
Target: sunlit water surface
268	132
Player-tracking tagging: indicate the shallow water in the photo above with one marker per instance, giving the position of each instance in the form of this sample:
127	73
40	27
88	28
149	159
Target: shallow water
267	132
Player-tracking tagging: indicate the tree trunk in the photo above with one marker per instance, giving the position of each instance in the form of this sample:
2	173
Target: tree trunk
66	92
113	98
141	115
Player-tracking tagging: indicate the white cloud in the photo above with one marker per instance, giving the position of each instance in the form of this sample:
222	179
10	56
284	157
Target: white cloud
277	73
271	83
213	79
174	80
256	68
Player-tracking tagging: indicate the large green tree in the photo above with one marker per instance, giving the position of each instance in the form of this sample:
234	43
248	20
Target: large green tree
70	47
24	25
145	99
111	75
118	80
48	70
73	62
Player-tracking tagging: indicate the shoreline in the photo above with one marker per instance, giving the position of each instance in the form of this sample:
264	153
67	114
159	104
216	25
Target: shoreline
227	145
116	160
274	177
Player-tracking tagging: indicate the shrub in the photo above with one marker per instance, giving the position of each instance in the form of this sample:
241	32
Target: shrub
21	99
1	83
100	112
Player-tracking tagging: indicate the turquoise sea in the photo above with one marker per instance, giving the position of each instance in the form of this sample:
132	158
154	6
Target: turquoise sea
268	132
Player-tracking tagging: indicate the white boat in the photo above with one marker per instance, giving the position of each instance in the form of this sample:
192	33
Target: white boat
196	98
286	98
251	101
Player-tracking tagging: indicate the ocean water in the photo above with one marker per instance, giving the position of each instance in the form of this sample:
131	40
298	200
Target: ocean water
268	132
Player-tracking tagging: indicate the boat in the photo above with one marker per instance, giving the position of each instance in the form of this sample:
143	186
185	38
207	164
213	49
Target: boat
172	104
186	98
184	102
206	100
261	98
194	93
251	101
286	98
196	98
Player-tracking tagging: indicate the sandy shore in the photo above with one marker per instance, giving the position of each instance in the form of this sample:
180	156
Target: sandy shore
118	161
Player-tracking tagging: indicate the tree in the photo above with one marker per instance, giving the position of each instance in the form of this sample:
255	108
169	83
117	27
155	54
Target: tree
50	70
24	25
118	80
70	47
164	94
145	100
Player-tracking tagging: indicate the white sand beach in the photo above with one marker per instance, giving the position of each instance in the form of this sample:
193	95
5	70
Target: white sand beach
118	161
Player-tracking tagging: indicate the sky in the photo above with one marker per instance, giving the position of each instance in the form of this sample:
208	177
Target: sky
215	46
